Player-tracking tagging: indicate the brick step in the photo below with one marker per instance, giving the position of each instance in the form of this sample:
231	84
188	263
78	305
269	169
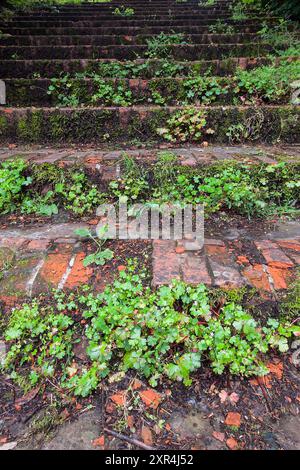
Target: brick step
92	20
132	22
103	160
172	91
222	263
45	68
122	52
156	6
138	39
51	257
130	31
197	14
71	125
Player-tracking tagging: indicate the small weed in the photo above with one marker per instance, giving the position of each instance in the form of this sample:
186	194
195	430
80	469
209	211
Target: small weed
123	11
187	124
100	256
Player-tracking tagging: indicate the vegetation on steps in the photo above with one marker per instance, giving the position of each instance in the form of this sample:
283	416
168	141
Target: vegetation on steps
258	190
169	333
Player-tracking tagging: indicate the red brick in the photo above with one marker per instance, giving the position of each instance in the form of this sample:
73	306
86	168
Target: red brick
38	245
13	242
195	270
79	274
166	263
54	267
280	277
151	398
289	244
257	277
226	275
242	260
273	255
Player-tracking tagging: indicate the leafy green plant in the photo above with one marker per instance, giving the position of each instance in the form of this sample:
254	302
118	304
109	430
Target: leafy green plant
207	3
12	182
268	83
169	332
123	11
100	256
220	27
203	90
160	46
186	124
68	91
132	184
238	11
79	197
22	189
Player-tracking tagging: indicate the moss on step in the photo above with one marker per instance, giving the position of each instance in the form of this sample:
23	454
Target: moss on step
261	124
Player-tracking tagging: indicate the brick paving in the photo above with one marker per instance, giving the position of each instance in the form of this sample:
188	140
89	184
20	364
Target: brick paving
51	256
189	156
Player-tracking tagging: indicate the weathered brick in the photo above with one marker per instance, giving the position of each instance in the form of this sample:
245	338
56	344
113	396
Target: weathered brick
273	255
289	244
38	245
7	257
280	277
226	276
257	277
54	268
16	282
166	262
193	245
13	242
79	274
194	270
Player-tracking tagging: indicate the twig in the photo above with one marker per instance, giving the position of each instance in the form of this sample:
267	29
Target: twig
263	389
128	439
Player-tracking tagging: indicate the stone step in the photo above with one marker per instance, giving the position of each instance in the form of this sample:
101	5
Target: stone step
138	39
130	52
125	30
51	257
49	68
130	22
104	161
168	91
71	125
138	14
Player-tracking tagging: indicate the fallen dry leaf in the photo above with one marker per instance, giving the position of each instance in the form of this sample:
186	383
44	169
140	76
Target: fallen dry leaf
98	442
223	396
130	421
233	419
220	436
234	398
147	435
119	398
232	443
276	369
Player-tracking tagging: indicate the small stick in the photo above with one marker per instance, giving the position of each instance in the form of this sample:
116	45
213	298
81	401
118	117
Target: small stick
128	439
262	386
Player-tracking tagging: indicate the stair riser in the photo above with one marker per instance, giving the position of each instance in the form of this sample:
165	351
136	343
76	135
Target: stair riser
38	41
130	31
174	91
129	22
138	11
185	52
125	124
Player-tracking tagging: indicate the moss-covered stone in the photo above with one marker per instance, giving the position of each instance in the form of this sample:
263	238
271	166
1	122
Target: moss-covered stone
260	124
